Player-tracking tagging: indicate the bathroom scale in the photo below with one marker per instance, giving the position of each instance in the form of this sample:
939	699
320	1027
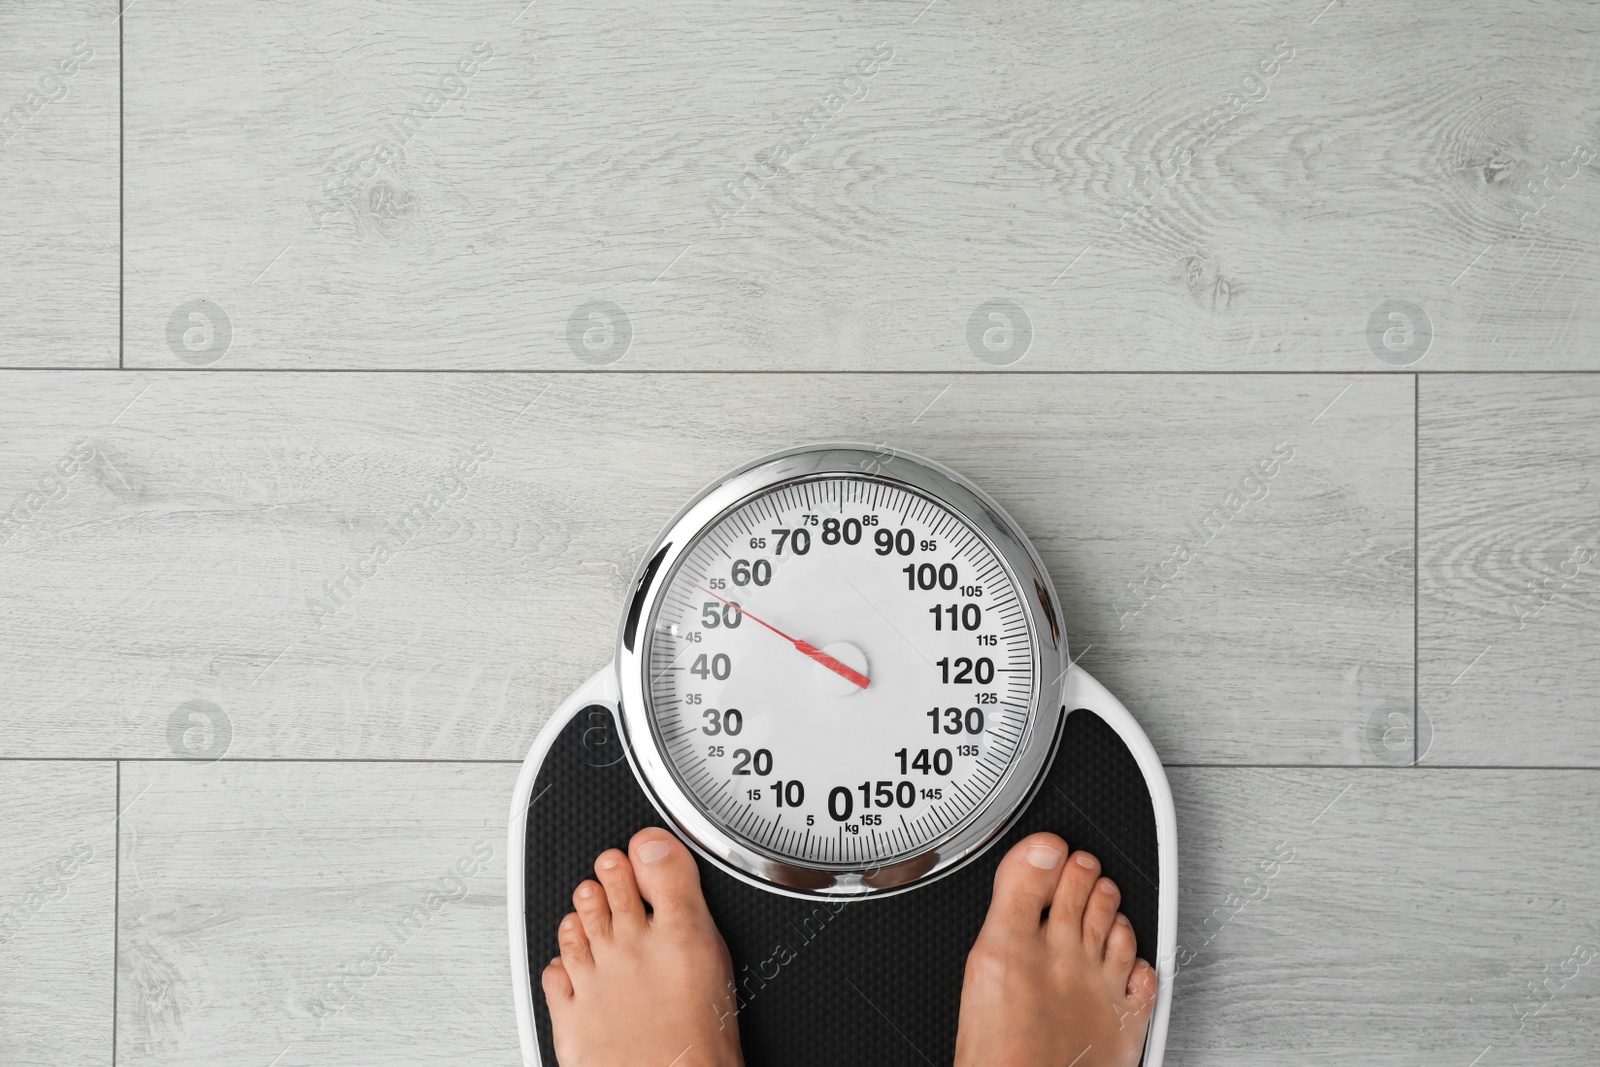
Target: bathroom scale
841	678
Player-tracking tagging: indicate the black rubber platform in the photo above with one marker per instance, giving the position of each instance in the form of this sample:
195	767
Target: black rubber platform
875	982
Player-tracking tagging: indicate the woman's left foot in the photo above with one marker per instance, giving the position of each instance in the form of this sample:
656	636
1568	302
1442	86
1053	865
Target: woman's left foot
1058	989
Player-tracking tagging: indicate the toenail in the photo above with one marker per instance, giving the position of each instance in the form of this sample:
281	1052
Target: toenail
1107	887
586	891
1123	919
608	862
1044	857
568	923
1086	860
654	851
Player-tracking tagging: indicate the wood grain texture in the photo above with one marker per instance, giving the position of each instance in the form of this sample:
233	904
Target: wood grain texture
59	174
1235	186
194	554
186	561
1420	911
319	914
57	898
1509	600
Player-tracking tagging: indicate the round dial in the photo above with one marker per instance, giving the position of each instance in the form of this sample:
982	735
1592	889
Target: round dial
841	672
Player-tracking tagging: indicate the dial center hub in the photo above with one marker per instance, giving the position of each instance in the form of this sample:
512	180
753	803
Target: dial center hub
831	682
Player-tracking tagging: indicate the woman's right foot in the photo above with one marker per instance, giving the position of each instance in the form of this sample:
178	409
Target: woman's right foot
1061	989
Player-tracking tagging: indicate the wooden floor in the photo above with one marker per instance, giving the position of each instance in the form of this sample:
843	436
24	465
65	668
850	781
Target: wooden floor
269	270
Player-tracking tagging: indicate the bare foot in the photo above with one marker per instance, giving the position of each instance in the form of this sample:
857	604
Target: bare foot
1053	990
642	988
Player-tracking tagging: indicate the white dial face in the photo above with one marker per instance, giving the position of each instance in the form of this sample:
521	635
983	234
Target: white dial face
841	672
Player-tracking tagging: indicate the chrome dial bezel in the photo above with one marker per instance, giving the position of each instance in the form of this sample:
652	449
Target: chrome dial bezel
940	855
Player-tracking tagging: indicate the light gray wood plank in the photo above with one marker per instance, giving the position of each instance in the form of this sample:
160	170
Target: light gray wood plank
1510	604
1420	911
59	176
191	555
256	898
57	901
1235	186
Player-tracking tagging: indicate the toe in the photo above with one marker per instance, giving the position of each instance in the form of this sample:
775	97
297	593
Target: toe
1141	989
574	942
622	892
1026	882
590	901
1121	946
1072	893
557	986
1099	914
666	875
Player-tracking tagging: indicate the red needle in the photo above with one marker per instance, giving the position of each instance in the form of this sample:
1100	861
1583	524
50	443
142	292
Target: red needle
805	647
